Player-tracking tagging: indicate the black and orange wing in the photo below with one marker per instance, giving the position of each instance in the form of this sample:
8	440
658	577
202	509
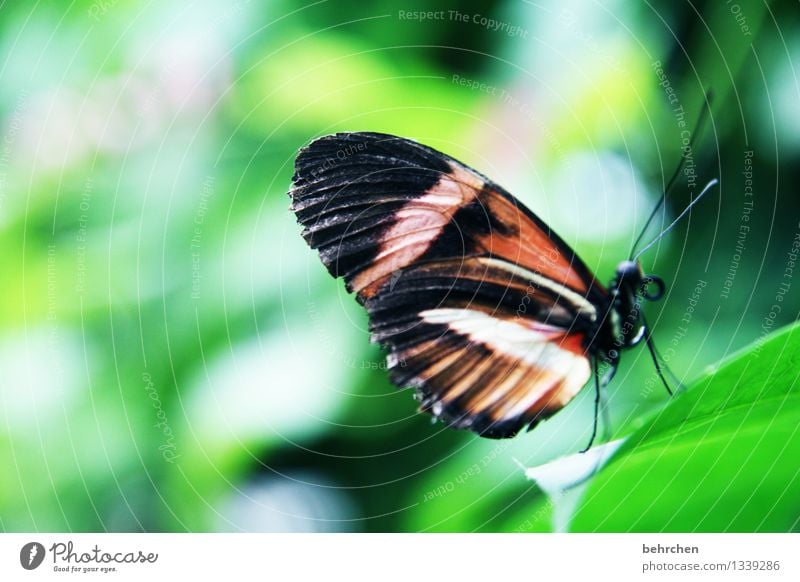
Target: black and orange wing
481	307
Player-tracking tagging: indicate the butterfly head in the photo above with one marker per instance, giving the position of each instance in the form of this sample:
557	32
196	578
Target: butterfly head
629	287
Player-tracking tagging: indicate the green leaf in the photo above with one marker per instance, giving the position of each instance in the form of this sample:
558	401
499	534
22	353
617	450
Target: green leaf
723	456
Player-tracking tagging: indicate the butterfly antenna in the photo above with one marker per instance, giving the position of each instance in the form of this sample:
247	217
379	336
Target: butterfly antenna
681	163
663	233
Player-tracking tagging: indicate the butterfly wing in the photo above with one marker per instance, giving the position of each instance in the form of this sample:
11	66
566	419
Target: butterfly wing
482	308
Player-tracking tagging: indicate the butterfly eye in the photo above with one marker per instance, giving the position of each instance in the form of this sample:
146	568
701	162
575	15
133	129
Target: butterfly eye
653	287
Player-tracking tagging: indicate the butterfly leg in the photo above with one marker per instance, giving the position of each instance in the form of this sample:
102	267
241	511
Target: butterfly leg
651	346
599	405
604	405
654	355
596	405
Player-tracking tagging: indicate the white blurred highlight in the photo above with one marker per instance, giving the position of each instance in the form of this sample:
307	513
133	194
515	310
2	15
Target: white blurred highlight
596	196
303	502
279	387
565	480
40	374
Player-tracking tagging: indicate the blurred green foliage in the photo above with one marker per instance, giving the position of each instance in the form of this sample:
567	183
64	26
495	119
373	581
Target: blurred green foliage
173	357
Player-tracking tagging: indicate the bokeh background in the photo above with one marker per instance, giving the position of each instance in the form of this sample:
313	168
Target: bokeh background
174	358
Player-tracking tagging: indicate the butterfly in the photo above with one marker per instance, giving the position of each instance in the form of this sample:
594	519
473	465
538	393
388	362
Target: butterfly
485	311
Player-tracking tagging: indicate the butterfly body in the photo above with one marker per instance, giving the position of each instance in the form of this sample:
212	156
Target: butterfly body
482	308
